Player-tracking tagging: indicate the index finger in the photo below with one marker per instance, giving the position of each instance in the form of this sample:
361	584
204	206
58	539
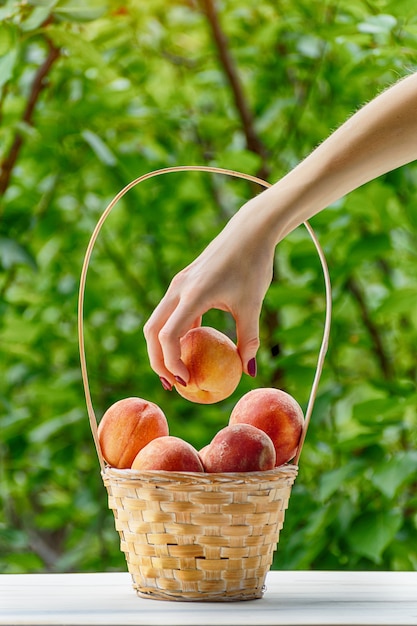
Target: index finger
163	331
183	318
151	331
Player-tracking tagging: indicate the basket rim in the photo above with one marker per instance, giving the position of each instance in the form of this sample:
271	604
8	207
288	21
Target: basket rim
182	480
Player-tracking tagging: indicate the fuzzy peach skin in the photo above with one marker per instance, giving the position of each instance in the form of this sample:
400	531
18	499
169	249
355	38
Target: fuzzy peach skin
275	412
239	448
171	454
214	365
126	427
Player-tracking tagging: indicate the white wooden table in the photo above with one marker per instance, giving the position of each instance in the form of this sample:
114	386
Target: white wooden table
292	598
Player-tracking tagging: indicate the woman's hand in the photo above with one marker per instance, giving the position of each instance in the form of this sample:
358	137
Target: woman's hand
232	274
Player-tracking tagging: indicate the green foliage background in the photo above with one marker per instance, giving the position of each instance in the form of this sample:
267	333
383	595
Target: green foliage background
94	94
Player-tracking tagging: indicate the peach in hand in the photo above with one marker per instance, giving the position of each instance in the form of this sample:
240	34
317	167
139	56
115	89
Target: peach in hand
126	427
239	448
169	454
214	364
275	412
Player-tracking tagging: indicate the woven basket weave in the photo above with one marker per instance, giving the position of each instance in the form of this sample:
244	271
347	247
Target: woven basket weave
198	536
191	536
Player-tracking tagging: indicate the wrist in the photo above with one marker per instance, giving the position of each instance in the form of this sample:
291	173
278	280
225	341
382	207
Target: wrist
274	213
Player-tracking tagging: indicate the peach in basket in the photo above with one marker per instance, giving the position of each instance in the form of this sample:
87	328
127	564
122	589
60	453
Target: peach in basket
126	427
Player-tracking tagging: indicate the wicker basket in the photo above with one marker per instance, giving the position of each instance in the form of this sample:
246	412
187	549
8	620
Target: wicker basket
191	536
197	536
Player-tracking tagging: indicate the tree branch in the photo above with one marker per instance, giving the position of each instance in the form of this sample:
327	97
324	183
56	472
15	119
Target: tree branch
46	550
38	85
253	142
379	350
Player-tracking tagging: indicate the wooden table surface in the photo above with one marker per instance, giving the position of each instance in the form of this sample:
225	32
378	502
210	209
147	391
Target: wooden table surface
291	599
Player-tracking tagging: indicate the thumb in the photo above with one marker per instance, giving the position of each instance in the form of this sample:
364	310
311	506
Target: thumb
247	329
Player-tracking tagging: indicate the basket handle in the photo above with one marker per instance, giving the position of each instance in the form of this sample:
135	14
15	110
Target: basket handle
106	212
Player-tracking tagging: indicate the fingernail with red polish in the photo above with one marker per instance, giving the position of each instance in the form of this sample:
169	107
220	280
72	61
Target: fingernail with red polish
165	383
252	367
180	381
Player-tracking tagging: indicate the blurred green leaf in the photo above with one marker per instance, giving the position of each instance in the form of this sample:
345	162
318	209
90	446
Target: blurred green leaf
331	481
80	12
372	532
372	246
8	37
378	411
103	153
7	65
398	301
12	253
38	16
374	24
392	474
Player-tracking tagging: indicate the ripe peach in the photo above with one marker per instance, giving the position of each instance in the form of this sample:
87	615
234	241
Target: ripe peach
275	412
214	364
126	427
239	448
168	453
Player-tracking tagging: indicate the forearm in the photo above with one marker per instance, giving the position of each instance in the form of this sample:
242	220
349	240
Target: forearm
378	138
